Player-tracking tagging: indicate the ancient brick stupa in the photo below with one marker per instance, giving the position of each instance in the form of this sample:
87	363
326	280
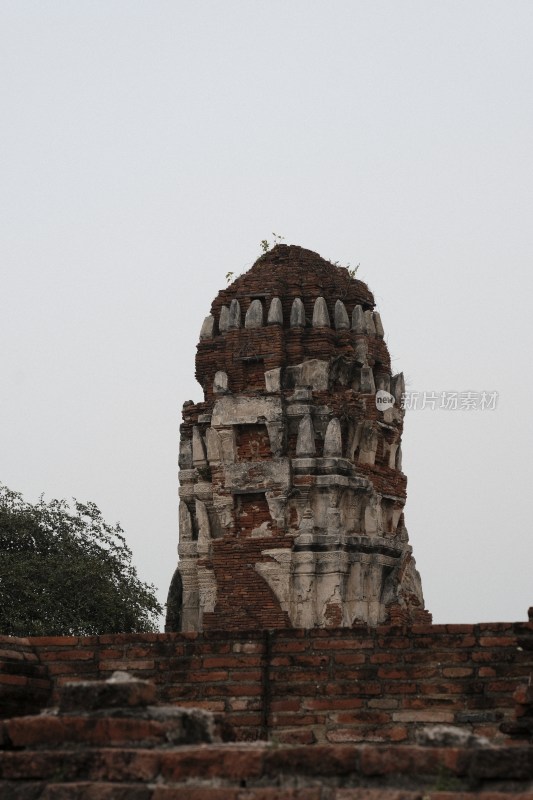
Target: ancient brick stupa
292	490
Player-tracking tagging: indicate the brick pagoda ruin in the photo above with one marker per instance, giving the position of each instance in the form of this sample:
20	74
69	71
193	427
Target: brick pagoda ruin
291	484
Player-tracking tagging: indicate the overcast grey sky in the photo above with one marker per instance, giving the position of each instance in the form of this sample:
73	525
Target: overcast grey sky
148	147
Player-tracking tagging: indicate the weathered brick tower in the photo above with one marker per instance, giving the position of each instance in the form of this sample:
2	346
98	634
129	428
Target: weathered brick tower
292	492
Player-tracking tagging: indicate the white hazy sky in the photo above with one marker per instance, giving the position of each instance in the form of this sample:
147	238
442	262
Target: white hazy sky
148	147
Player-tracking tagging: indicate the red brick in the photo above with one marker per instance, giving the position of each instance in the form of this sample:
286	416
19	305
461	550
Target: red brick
296	736
239	720
381	794
246	675
502	686
96	791
285	705
311	660
331	703
319	760
485	796
399	688
240	705
487	656
217	793
442	702
393	673
344	644
436	656
127	664
15	680
422	629
208	705
107	653
442	688
486	672
395	643
12	655
290	720
139	652
350	658
385	703
494	627
66	655
52	641
290	646
244	689
100	765
89	641
384	658
393	733
433	716
361	717
14	641
457	672
408	760
33	731
222	761
208	677
231	661
297	676
460	628
497	641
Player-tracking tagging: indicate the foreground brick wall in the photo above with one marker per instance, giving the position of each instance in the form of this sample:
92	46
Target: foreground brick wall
107	739
266	772
318	685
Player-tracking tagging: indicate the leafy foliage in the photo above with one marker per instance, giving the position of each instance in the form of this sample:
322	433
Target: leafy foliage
265	244
66	571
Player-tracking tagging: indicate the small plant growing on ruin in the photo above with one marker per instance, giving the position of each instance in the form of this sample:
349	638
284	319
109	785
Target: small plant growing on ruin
265	244
350	270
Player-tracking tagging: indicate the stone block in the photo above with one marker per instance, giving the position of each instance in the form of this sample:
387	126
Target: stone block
275	312
305	444
342	320
358	320
241	410
320	314
223	320
234	317
208	327
121	690
297	314
258	475
220	382
273	380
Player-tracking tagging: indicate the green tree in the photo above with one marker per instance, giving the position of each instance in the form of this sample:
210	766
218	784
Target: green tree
64	570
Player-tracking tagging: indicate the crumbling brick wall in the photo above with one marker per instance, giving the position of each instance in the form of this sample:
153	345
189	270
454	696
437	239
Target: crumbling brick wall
319	685
107	739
